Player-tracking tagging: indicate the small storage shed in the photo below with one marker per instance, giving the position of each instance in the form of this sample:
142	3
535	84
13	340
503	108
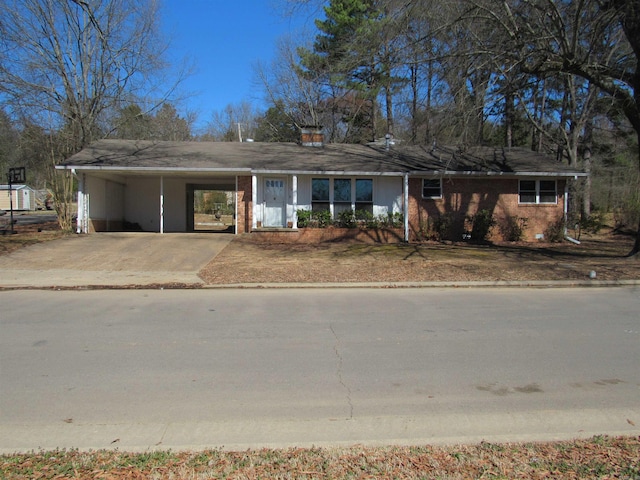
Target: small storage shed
22	196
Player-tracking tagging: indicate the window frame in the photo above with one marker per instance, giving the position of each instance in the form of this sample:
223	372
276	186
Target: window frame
424	187
538	192
336	206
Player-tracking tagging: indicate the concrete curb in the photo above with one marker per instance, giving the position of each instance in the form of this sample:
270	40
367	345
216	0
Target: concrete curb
163	284
476	284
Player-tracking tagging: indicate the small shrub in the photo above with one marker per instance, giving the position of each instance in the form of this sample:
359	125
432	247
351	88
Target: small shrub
555	232
304	218
443	226
366	219
322	218
347	219
481	224
512	228
310	219
392	220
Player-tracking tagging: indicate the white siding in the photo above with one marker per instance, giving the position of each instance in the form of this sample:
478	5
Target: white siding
387	195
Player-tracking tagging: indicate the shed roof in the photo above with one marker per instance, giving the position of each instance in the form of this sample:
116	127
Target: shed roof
255	157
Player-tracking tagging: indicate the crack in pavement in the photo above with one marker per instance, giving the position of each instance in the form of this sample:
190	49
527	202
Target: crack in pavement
339	372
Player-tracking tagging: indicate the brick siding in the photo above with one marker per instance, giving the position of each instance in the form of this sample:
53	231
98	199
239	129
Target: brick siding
462	197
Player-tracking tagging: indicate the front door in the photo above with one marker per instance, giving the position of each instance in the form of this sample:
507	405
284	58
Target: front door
274	199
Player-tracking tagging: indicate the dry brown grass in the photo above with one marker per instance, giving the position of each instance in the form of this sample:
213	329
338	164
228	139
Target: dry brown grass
247	261
599	457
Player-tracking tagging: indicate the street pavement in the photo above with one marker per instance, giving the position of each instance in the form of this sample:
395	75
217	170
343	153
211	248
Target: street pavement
239	368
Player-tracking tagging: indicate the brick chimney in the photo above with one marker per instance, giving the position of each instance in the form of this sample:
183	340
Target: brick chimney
311	136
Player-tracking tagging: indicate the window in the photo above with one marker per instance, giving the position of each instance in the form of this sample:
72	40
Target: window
364	194
341	194
319	194
431	188
538	191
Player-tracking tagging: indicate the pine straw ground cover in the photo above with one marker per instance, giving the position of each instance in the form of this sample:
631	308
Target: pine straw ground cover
599	457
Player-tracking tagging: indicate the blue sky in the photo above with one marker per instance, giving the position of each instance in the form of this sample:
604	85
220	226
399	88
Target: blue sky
224	39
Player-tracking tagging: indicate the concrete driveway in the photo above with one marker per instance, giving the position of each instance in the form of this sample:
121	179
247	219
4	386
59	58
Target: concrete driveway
113	259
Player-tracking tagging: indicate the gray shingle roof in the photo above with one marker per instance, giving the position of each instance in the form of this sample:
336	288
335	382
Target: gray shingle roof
256	157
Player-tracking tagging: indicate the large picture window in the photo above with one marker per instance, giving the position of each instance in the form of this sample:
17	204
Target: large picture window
538	191
341	194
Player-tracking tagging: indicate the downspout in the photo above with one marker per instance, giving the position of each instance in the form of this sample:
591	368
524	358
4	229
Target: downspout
405	192
566	214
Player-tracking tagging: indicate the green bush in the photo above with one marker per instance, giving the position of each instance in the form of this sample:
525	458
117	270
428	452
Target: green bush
347	219
391	220
307	218
443	226
304	218
481	224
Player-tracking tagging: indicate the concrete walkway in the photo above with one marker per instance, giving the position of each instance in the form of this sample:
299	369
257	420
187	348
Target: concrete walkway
112	260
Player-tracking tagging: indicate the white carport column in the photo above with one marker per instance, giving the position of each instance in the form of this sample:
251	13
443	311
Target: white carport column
294	200
81	221
254	201
405	192
161	204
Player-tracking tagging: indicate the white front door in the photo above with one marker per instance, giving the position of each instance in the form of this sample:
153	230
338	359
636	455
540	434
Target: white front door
274	200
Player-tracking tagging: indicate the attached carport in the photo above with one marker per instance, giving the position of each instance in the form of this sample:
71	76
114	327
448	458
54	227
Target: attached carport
151	200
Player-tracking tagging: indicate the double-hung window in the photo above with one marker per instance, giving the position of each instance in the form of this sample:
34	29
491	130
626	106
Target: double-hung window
538	191
341	194
364	194
431	188
320	194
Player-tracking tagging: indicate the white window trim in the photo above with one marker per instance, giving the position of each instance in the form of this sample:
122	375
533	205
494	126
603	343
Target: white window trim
537	201
432	197
332	200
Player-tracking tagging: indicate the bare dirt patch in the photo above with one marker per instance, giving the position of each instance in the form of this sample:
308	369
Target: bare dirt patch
245	260
26	234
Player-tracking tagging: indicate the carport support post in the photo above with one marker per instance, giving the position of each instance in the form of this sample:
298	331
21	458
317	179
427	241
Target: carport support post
161	204
294	200
406	206
254	201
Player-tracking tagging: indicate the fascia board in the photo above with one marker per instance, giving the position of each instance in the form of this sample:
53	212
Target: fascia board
448	173
151	170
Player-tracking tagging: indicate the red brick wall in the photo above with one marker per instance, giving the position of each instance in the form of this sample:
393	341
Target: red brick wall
466	196
330	234
245	207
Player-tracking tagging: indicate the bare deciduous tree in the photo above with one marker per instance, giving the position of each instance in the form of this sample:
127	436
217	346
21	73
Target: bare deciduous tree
68	65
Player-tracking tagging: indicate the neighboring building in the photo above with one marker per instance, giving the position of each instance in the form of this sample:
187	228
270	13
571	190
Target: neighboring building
150	185
23	197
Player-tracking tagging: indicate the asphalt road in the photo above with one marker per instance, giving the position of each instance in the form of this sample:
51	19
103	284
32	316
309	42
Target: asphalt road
246	368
